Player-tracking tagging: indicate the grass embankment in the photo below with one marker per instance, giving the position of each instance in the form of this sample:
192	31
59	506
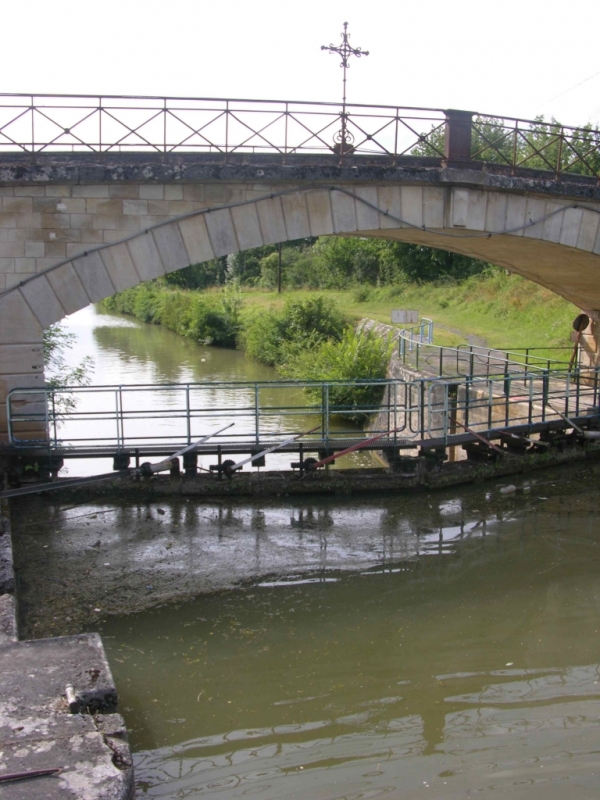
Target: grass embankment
506	311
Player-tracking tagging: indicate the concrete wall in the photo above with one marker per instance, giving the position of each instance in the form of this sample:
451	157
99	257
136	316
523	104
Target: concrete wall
82	225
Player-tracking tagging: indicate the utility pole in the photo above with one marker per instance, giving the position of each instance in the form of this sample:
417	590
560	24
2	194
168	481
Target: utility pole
279	271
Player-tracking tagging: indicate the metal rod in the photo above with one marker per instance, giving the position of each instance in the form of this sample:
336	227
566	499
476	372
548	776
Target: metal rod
272	449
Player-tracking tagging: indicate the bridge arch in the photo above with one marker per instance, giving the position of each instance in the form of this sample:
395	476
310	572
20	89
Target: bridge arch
554	242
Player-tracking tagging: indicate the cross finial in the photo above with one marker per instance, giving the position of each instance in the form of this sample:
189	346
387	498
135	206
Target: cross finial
345	50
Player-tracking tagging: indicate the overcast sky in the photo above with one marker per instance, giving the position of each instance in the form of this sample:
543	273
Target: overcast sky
515	57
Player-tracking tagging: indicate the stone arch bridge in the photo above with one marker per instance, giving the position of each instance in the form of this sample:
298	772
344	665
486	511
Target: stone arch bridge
76	227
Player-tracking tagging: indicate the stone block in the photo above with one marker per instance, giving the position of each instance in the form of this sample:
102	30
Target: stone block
535	210
434	206
247	226
177	207
158	208
495	212
18	325
129	223
109	236
476	211
145	257
221	232
272	222
516	208
12	279
48	221
7	191
343	212
170	246
21	358
124	191
411	200
367	218
173	192
588	230
389	200
295	213
17	205
319	212
25	265
90	237
147	222
79	221
29	191
135	207
2	281
12	249
20	381
56	249
119	266
100	206
192	191
151	191
68	288
55	190
459	208
34	250
552	226
8	220
35	221
104	222
196	239
7	265
90	190
42	264
569	232
42	301
215	193
48	205
94	277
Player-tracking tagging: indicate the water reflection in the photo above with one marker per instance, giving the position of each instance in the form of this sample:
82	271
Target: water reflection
396	648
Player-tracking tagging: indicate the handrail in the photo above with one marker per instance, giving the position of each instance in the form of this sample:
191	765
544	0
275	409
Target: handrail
127	417
75	123
446	360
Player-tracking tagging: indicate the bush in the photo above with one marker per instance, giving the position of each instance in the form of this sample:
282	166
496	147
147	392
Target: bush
210	319
303	324
357	355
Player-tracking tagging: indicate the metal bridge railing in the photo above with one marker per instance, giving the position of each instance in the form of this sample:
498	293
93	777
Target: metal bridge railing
145	416
32	124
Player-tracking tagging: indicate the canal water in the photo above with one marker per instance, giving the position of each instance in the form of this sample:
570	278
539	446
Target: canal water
126	351
429	645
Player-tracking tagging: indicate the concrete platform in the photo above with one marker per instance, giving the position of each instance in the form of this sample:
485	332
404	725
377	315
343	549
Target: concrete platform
37	730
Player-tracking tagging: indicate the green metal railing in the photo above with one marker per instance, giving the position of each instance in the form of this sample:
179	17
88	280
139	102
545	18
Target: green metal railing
166	416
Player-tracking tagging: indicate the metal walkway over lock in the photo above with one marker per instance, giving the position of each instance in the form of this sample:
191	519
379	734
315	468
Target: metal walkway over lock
430	413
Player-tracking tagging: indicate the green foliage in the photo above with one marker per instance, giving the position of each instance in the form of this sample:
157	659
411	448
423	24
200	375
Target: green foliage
207	318
58	373
276	337
356	356
543	145
199	276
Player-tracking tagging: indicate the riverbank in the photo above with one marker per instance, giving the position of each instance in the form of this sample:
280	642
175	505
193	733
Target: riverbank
504	310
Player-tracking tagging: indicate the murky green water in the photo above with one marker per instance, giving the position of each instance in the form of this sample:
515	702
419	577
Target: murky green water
446	646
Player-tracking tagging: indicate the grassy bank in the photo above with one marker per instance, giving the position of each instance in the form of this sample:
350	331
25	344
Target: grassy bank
505	310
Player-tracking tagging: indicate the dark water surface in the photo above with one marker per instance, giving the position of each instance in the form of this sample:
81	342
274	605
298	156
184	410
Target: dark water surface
455	654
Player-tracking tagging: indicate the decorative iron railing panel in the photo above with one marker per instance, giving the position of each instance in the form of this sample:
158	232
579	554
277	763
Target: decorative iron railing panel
34	124
78	124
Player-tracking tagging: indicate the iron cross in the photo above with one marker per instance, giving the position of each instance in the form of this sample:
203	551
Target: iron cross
345	50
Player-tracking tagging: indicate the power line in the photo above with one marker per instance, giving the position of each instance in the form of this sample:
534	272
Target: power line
572	87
